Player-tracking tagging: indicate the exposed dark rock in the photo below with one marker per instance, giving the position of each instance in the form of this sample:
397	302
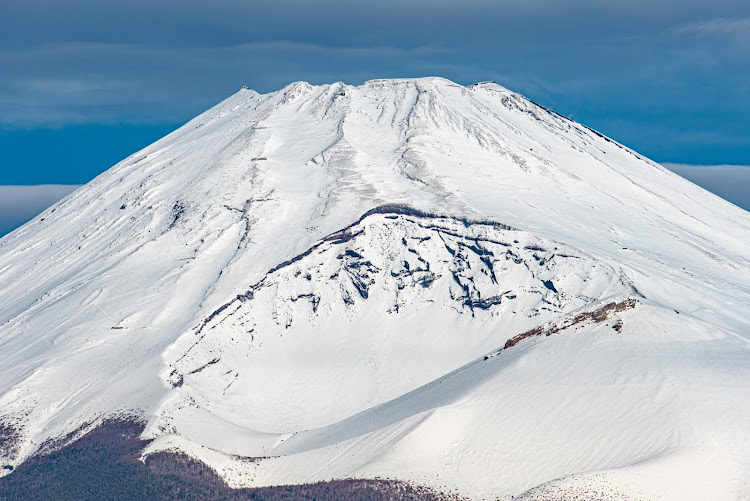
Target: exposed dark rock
178	210
427	279
361	272
486	303
597	315
175	379
314	300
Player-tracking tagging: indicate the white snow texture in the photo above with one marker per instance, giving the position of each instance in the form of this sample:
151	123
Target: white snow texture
411	279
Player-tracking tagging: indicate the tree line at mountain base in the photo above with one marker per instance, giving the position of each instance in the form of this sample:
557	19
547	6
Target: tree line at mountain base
105	464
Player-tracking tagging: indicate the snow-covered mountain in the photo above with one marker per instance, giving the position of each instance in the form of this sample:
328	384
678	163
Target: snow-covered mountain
447	285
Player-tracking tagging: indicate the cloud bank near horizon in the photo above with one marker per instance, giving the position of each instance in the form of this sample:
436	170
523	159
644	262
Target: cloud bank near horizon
730	182
20	204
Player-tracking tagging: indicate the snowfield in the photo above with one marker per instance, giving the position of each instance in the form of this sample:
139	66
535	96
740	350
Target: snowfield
451	286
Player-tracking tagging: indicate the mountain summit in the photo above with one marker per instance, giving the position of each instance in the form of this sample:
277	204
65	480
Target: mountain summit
408	279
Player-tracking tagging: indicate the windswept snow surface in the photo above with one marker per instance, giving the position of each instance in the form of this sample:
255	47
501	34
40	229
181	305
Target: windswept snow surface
328	277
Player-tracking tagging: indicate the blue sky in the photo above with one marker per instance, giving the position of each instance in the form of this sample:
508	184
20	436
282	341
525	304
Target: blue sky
84	83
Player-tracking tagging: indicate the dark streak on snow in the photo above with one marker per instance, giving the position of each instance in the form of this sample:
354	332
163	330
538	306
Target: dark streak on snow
207	364
314	300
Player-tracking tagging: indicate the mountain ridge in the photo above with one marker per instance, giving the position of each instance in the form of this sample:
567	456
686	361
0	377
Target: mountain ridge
463	197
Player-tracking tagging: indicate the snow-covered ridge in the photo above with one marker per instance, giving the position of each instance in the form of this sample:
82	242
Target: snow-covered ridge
134	295
370	306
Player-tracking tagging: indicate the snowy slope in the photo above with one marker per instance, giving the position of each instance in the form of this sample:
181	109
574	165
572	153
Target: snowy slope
324	277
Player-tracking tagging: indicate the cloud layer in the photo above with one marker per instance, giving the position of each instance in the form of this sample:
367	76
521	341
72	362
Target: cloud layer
19	204
730	182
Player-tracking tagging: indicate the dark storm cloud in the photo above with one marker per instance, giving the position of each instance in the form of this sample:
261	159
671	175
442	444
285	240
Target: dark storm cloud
655	75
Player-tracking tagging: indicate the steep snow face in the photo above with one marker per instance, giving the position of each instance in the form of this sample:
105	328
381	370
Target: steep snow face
175	286
373	312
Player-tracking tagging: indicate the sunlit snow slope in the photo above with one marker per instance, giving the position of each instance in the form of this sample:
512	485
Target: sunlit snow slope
411	279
